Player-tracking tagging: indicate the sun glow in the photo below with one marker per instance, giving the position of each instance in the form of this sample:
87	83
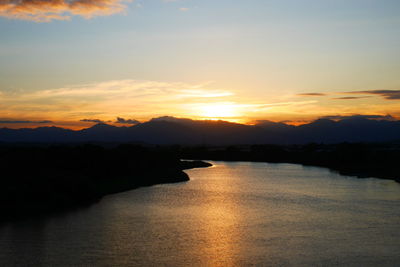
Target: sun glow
219	110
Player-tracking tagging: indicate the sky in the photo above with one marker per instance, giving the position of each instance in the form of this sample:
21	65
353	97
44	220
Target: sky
72	63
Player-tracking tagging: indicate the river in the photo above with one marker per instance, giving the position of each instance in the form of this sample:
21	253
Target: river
232	214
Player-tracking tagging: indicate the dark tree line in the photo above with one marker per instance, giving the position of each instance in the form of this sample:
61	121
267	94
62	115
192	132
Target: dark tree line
354	159
42	179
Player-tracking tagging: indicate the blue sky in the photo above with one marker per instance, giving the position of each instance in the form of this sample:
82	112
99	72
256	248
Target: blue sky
262	52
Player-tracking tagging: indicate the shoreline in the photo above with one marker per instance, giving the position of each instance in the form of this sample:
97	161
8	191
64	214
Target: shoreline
357	159
359	175
22	211
39	182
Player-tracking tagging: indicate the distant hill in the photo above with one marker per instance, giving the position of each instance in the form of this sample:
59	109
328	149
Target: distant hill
170	130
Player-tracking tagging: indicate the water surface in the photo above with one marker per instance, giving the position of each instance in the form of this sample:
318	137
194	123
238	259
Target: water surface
233	214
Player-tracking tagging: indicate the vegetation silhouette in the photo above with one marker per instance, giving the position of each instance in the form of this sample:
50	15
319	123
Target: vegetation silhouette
38	180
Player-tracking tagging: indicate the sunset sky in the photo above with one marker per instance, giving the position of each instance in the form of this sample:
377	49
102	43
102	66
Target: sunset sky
73	63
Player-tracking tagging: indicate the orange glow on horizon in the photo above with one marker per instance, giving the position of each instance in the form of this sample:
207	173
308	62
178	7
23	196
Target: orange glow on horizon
78	125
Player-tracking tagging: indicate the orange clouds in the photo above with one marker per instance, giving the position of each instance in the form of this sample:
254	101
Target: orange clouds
126	99
106	100
48	10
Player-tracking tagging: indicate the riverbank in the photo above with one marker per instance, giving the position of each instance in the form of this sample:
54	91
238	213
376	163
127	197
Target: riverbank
39	181
361	160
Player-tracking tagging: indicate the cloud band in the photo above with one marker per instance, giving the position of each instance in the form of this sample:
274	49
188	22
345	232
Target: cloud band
48	10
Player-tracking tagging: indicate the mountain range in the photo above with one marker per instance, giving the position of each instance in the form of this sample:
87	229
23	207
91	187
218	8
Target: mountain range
170	130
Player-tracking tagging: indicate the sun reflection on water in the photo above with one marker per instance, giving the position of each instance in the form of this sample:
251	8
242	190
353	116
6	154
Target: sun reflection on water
222	215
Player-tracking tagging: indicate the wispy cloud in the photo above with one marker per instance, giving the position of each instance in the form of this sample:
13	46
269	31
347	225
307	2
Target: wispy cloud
48	10
350	97
104	100
387	94
93	120
188	93
132	88
24	122
358	116
312	94
126	121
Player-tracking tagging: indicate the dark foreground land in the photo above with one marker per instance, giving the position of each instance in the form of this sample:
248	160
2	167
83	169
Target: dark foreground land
43	180
354	159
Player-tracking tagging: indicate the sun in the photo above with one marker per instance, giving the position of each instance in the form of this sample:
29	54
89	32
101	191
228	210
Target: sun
218	110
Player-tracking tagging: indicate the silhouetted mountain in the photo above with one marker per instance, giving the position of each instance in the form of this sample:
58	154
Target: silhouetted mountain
102	132
348	130
41	134
273	125
161	132
170	130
